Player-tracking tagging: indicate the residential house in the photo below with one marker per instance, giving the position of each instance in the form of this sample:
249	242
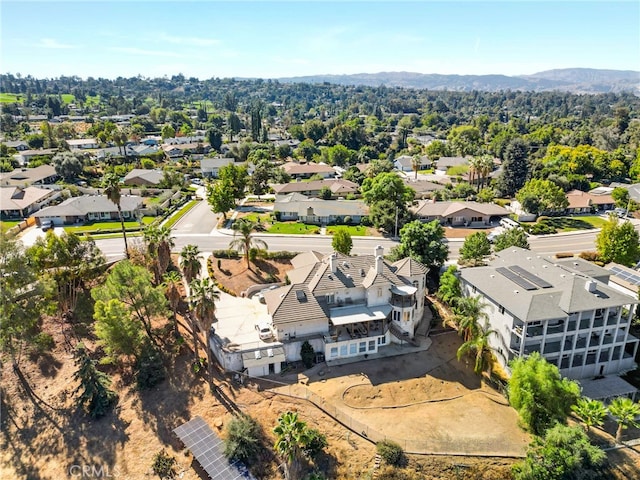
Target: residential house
563	309
624	279
25	156
404	163
152	140
423	188
444	163
90	208
347	306
182	149
142	150
472	214
19	145
634	190
195	139
82	143
24	177
307	170
315	211
20	202
338	187
142	176
210	167
583	202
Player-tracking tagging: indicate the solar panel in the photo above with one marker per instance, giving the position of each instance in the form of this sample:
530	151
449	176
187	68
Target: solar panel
518	280
627	276
208	450
530	276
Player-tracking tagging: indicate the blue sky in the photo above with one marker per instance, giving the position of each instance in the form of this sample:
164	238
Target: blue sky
266	39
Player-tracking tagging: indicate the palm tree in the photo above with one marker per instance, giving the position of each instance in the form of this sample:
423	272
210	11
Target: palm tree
171	284
203	298
468	312
190	262
473	169
292	436
625	411
415	164
244	240
159	244
479	345
485	167
111	185
591	412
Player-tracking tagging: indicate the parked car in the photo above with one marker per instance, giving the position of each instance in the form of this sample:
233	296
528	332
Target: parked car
264	331
46	225
620	212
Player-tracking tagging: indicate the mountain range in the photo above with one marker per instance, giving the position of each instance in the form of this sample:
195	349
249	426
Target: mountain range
574	80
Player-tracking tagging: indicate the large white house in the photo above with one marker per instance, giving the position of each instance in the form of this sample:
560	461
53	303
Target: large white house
563	309
347	306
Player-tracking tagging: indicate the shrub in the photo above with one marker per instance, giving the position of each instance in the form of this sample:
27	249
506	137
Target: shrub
366	221
307	354
347	220
150	367
43	342
391	452
590	256
163	464
564	255
243	440
317	443
230	254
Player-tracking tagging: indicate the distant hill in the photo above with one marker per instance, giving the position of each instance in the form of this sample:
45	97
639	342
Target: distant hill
575	80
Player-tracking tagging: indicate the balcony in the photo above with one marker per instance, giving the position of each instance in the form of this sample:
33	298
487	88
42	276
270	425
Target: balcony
534	331
352	331
403	301
556	328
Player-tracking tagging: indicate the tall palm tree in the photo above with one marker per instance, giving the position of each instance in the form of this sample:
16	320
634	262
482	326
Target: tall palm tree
474	170
478	344
203	298
415	165
171	284
468	313
244	240
190	262
625	411
111	185
591	412
159	244
292	436
485	167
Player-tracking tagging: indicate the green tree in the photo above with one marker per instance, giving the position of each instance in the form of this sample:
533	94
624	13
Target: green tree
618	242
475	247
203	297
621	196
111	185
307	354
478	346
422	242
172	281
465	140
190	262
133	285
314	129
515	237
591	412
220	197
214	137
515	168
563	453
449	289
626	412
67	165
117	332
539	393
391	453
21	299
234	177
307	149
539	196
262	172
388	198
292	437
159	244
244	240
234	125
95	396
243	441
342	241
168	131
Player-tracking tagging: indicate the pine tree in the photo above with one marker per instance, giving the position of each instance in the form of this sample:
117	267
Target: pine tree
95	397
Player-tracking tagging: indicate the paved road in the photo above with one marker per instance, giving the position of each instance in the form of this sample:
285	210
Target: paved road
200	219
574	242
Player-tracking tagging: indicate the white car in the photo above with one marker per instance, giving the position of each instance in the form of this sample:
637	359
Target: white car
264	331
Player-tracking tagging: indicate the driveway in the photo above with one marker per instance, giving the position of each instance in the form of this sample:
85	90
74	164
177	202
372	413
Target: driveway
200	219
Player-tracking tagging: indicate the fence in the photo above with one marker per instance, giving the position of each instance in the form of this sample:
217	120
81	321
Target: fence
29	222
440	444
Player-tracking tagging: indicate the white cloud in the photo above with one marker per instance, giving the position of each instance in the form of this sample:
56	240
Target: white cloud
191	41
145	52
52	43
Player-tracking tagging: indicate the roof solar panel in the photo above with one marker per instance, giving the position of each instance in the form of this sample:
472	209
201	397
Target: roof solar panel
518	280
208	450
530	276
627	276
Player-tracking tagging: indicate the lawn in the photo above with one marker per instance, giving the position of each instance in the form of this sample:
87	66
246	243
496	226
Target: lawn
570	224
10	98
68	98
97	227
354	231
293	228
180	213
7	224
457	170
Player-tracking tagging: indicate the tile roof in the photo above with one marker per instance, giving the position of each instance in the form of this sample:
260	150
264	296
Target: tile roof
17	198
294	168
336	186
22	176
81	206
444	209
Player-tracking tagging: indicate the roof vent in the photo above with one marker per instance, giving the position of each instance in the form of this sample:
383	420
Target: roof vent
330	277
362	273
270	352
345	264
590	286
301	296
257	355
349	276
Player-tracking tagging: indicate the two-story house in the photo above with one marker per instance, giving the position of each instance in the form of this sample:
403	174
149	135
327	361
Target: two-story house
347	306
563	309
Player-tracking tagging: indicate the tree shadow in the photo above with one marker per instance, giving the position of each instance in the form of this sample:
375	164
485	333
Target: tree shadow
48	365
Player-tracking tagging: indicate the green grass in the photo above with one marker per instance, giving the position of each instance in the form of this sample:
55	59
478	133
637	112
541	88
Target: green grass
68	98
293	228
354	231
571	224
180	213
7	224
92	100
426	172
97	227
258	217
10	98
457	170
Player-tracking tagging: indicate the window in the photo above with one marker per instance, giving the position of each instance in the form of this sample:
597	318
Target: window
416	284
334	352
395	315
362	347
379	291
105	215
382	340
372	345
501	309
353	349
407	316
331	298
343	350
475	289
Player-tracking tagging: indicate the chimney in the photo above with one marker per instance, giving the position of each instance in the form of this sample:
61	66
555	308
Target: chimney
379	251
333	263
590	286
379	263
